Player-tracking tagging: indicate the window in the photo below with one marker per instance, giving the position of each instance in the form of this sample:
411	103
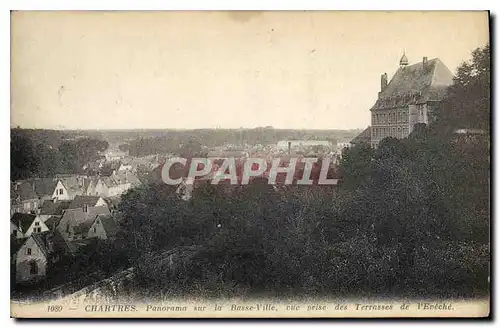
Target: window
39	229
95	229
28	251
60	191
33	267
37	224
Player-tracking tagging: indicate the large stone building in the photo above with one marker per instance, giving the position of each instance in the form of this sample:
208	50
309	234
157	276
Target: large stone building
408	98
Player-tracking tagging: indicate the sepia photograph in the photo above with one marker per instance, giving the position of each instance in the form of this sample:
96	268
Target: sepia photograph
250	164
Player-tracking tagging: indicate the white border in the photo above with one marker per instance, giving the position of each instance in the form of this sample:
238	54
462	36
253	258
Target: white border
194	5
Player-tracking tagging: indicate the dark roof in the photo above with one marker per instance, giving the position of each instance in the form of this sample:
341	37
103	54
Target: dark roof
109	224
77	215
81	200
15	244
22	220
363	137
42	242
77	245
52	222
54	208
113	201
23	190
51	242
88	181
83	227
417	83
44	186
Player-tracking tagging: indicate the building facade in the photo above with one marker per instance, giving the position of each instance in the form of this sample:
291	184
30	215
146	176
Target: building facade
408	98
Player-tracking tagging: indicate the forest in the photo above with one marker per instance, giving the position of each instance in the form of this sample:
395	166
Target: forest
45	153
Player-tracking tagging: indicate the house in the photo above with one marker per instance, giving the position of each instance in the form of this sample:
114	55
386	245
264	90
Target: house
115	185
36	226
76	222
104	227
23	198
37	254
89	186
408	98
81	201
74	185
53	208
20	223
59	188
47	188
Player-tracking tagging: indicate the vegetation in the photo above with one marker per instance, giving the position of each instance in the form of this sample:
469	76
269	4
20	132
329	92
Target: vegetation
32	157
411	219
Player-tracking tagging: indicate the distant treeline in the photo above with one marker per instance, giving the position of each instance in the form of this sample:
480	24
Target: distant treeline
44	153
170	141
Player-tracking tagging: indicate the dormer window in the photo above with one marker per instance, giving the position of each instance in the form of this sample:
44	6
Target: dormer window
85	208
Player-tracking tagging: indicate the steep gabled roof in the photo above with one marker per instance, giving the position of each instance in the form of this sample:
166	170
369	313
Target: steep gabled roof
54	208
80	201
45	186
78	215
74	184
22	220
52	222
42	242
51	242
15	244
109	224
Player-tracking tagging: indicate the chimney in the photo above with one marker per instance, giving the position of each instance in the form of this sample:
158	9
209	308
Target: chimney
383	82
289	147
424	62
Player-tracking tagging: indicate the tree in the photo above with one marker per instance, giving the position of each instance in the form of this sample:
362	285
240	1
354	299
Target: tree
467	104
355	165
23	161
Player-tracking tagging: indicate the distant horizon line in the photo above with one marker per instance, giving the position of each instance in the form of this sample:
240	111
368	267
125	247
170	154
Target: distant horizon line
182	129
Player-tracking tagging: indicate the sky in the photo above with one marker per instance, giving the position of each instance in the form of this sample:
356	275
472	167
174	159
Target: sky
185	70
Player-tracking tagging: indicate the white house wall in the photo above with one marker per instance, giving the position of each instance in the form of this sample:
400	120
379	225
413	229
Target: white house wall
43	227
23	268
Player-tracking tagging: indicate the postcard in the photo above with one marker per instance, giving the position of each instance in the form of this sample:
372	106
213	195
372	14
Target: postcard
250	164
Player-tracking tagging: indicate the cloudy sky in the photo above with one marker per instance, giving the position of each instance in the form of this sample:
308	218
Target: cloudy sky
88	70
